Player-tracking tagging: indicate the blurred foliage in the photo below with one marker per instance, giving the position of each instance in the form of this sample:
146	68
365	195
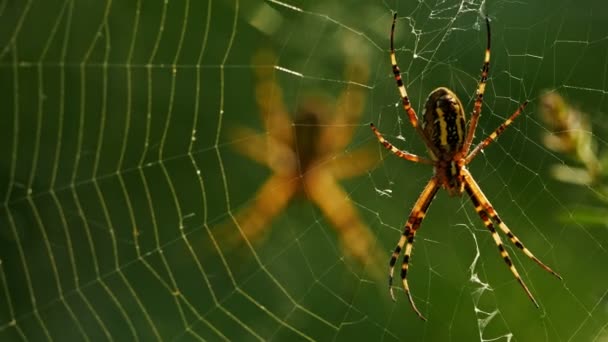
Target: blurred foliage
570	133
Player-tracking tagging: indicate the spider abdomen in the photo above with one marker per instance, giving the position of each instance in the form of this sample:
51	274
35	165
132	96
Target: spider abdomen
444	122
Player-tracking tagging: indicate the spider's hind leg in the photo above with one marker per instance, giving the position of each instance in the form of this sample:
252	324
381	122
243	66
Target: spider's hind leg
407	239
515	240
487	213
501	248
480	201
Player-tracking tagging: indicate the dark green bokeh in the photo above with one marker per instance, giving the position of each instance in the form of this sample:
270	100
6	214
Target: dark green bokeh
105	224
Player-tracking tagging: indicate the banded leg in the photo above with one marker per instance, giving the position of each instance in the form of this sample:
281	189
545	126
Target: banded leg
404	98
481	89
474	194
401	154
494	135
407	238
485	203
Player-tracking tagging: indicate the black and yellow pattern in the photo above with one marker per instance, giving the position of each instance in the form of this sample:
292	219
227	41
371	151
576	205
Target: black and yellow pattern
444	122
407	238
448	141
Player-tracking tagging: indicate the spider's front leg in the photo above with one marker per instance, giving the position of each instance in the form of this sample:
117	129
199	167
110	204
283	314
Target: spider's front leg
397	74
481	89
405	100
407	239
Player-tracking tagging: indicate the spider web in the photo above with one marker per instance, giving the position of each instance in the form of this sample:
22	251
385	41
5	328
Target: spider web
120	177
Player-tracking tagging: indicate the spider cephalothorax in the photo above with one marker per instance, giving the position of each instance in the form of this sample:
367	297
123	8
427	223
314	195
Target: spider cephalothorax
448	141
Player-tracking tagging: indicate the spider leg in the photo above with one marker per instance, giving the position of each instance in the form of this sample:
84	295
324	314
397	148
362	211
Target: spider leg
480	203
269	97
404	97
348	107
494	135
489	209
481	88
401	154
407	238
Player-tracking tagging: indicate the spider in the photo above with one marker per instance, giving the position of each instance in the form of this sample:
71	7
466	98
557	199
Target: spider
305	153
448	142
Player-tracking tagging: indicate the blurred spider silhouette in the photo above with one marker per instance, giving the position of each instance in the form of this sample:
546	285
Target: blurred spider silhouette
307	158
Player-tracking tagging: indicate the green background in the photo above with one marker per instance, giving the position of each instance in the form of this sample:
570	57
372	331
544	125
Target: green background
114	120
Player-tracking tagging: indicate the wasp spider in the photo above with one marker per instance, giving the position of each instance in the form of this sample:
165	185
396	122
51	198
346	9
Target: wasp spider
448	141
